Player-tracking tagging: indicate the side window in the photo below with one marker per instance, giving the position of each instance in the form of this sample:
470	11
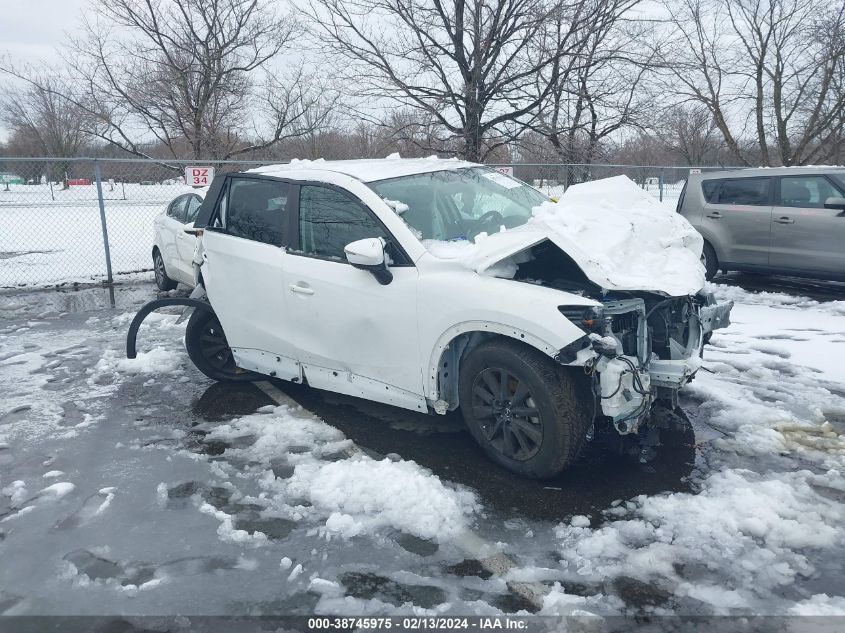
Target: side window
710	188
176	210
192	208
255	209
750	191
330	219
805	191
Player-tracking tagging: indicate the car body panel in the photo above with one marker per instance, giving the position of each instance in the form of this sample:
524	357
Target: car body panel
175	245
336	317
247	278
808	237
775	238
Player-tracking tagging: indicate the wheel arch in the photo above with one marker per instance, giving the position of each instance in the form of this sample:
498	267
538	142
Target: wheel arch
151	307
443	371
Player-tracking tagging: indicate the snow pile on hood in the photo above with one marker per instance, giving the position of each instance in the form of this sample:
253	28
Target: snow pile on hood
620	236
626	236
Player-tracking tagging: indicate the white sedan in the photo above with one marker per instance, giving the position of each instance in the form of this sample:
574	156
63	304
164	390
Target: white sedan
437	285
173	248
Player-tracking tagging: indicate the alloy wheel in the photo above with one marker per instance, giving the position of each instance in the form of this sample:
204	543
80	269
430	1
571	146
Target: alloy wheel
510	420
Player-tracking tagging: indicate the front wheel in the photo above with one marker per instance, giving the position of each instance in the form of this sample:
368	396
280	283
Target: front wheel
209	350
528	414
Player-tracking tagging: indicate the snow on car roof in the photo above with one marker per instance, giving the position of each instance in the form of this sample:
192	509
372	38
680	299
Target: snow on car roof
370	169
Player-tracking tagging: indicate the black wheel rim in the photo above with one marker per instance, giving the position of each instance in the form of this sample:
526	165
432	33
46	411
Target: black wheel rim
215	348
507	414
158	266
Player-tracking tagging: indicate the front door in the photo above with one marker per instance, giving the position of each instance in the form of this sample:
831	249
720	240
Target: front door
807	237
353	335
738	215
243	270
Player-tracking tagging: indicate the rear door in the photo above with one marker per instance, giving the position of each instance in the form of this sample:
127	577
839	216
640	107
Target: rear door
806	236
172	225
353	335
185	242
737	219
243	270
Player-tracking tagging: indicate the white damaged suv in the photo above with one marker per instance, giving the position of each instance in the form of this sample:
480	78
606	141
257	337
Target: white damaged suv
437	285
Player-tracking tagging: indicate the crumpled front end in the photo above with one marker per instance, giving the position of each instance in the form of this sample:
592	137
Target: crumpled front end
641	350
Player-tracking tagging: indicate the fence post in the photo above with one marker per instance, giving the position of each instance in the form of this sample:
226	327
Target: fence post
99	176
660	182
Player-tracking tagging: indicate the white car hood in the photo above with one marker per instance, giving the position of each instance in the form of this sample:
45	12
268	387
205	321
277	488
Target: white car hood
620	236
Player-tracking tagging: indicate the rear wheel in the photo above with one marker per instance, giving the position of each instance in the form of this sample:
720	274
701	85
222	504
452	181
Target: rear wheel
162	280
528	414
711	263
209	350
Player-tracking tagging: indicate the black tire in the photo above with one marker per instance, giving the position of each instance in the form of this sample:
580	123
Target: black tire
527	382
162	280
711	263
209	350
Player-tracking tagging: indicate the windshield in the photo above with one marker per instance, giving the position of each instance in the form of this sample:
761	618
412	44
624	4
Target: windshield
460	203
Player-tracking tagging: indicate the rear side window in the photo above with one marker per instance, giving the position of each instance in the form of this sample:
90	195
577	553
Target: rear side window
255	210
748	191
710	188
192	208
806	191
176	210
330	219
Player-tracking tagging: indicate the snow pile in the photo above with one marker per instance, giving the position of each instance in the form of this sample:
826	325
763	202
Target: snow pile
364	495
623	236
619	235
369	170
774	299
742	537
353	495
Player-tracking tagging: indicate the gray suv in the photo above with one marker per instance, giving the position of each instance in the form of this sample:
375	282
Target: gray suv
786	221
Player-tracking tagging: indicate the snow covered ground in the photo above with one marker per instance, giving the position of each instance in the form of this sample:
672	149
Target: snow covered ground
55	236
140	487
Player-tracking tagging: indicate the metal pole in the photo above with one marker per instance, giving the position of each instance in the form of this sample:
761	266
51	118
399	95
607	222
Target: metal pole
660	183
98	175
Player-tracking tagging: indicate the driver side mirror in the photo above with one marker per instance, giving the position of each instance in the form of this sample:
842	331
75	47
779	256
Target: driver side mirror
835	203
368	254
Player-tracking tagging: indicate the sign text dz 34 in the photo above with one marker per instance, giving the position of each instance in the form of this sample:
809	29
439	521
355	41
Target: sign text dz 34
199	176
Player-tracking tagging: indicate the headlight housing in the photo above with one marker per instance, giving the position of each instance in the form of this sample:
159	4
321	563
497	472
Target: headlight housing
588	318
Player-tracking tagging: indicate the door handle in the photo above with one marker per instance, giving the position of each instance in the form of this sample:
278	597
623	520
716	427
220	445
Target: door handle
302	290
785	220
715	215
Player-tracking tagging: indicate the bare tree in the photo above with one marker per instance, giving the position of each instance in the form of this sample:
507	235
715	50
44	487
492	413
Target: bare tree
34	110
688	131
463	66
767	70
181	74
42	122
600	89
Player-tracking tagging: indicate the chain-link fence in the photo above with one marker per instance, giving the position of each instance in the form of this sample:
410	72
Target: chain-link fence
68	221
664	182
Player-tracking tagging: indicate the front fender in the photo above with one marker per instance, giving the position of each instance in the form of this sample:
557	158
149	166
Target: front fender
454	302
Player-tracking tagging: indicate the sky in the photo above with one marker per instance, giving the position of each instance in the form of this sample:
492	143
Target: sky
31	30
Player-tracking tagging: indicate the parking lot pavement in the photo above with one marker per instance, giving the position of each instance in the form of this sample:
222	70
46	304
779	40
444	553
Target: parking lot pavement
141	487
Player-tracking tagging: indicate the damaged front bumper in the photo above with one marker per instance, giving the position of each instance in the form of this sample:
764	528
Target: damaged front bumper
646	351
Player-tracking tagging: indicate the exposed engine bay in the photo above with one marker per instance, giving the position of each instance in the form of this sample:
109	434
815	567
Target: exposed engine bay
639	347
